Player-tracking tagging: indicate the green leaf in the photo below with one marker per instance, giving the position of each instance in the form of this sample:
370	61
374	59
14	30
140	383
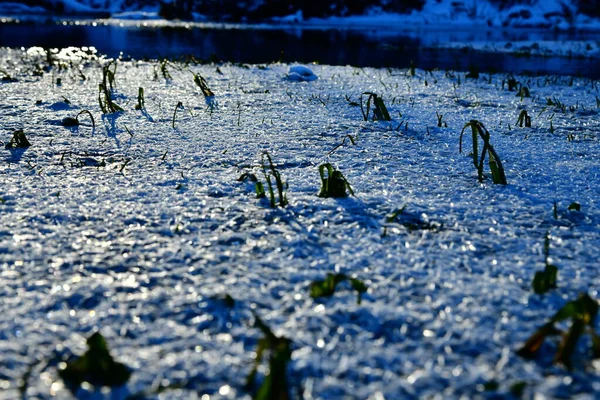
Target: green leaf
266	389
545	280
260	190
474	133
517	388
335	184
18	141
584	308
327	286
498	176
392	217
568	343
547	246
523	92
595	344
140	100
274	386
271	193
535	341
201	83
96	366
360	287
270	172
380	109
582	313
479	130
247	176
89	114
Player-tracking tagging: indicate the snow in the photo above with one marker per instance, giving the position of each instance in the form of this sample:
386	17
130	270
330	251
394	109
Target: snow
301	73
554	14
139	228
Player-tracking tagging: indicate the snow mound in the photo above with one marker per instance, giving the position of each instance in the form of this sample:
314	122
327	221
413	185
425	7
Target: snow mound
300	73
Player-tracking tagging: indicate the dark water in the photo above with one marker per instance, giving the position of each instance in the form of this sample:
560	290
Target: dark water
358	47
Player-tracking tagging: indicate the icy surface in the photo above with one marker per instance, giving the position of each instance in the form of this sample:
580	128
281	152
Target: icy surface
139	228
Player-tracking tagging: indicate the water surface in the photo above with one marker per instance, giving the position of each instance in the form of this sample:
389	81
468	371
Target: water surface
391	47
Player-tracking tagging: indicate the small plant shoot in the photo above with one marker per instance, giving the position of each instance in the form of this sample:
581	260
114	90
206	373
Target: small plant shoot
203	85
106	88
327	286
512	84
559	212
107	105
271	173
258	186
523	92
353	140
524	119
178	106
380	112
72	122
164	71
141	104
274	386
479	130
545	280
247	176
108	75
582	314
334	184
440	122
18	141
96	367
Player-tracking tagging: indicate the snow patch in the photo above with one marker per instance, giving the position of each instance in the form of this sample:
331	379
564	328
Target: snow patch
300	73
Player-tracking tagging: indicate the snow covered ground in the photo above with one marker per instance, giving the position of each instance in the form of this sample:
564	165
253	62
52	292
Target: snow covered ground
139	228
